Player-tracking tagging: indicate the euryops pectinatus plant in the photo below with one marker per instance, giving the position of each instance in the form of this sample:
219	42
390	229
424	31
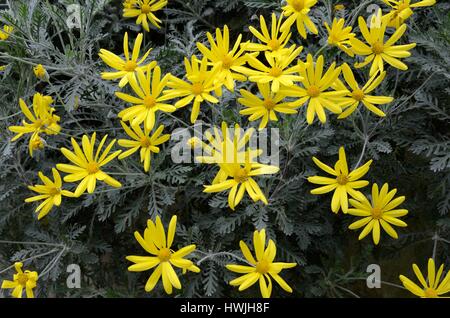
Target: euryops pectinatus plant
126	147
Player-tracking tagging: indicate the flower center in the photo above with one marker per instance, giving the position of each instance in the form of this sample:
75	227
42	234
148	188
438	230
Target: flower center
275	71
227	62
313	91
333	39
269	104
262	266
298	5
378	48
164	254
241	175
149	101
22	279
145	142
274	44
377	213
358	95
130	66
430	293
39	123
342	179
54	191
92	168
145	8
197	88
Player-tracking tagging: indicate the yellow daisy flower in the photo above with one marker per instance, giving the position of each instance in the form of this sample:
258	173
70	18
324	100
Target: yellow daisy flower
378	50
143	141
278	72
51	192
42	118
87	166
432	287
4	34
239	178
273	42
262	268
227	145
357	95
339	35
125	69
342	183
402	10
148	88
163	257
144	10
297	12
223	58
22	280
198	88
315	89
265	108
380	211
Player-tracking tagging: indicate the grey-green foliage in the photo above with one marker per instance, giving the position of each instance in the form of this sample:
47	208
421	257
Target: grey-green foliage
410	147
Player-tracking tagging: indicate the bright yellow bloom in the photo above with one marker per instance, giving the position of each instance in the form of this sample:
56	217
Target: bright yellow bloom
432	287
273	42
198	88
262	269
4	34
297	12
35	143
378	51
380	211
40	72
3	67
22	280
51	192
342	183
315	90
402	10
239	178
265	108
144	10
87	166
228	145
163	257
339	35
42	118
125	69
148	88
278	72
143	141
357	95
224	59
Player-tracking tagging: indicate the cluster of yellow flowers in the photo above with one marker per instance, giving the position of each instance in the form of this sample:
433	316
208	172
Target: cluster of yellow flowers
380	211
280	76
42	121
262	268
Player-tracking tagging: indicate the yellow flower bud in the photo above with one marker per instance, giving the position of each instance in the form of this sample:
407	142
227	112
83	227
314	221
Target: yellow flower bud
41	72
